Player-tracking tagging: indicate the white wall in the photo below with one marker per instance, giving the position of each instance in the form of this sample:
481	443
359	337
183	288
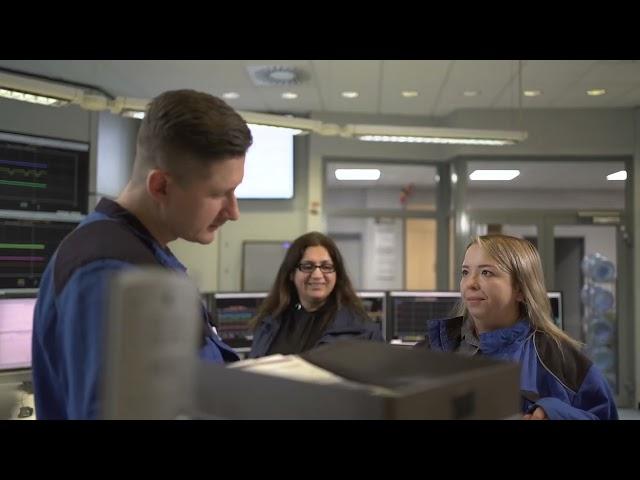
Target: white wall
68	123
116	145
389	198
336	199
201	262
579	132
540	199
375	198
346	225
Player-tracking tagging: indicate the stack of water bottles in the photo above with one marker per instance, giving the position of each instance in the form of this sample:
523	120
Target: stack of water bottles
598	298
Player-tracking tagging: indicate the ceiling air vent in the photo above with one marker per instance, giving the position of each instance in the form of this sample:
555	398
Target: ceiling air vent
274	75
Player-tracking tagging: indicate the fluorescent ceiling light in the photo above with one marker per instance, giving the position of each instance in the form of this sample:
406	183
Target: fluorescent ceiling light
32	98
133	114
471	93
448	136
596	92
302	124
532	93
390	133
292	131
357	174
350	94
409	93
289	95
621	175
442	140
231	95
503	175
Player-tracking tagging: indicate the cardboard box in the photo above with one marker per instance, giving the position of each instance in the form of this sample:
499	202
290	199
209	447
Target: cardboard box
419	384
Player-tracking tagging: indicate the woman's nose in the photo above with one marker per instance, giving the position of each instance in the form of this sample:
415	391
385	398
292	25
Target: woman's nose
317	273
471	280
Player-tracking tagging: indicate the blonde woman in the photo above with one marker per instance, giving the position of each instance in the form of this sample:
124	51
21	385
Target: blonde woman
505	314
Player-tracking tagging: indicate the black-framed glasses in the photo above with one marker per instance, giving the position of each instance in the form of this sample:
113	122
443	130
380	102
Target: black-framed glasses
308	267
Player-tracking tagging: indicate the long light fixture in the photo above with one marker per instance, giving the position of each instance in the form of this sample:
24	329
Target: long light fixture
50	93
37	91
357	173
447	136
501	175
271	128
621	175
283	121
32	97
133	114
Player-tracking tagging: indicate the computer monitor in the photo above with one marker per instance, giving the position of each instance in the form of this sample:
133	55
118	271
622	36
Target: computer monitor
26	247
556	308
232	314
409	312
375	303
16	327
43	174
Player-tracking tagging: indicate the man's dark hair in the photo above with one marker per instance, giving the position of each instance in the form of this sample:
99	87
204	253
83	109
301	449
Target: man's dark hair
189	123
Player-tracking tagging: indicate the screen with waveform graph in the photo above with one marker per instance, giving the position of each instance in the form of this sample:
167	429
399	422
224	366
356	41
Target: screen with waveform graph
25	249
233	312
41	174
411	310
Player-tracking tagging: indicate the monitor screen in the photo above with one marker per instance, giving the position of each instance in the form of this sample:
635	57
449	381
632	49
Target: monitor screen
42	174
268	171
375	303
233	312
411	310
25	249
16	325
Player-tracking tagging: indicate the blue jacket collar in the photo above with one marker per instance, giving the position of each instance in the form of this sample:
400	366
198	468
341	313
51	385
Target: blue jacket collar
502	338
445	335
117	212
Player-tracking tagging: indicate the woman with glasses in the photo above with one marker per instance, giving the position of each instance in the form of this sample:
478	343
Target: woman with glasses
311	302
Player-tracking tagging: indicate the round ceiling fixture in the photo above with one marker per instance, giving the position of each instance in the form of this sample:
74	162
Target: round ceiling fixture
276	75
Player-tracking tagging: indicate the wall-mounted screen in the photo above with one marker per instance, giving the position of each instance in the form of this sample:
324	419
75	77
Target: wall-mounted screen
268	170
42	174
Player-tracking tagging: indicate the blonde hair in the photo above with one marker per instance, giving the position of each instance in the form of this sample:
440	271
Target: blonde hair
520	259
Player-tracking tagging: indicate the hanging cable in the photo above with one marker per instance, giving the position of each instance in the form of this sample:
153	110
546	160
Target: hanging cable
520	93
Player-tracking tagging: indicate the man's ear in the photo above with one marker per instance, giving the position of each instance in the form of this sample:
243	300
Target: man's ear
158	184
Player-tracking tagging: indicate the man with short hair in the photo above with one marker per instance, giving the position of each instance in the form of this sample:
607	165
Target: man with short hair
189	160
